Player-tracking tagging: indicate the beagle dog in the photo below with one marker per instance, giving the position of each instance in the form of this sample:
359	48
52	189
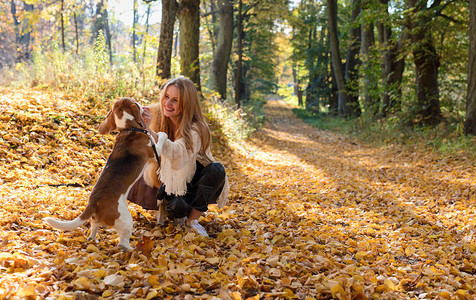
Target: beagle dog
132	153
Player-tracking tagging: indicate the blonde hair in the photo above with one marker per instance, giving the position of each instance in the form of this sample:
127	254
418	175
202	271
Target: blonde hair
191	118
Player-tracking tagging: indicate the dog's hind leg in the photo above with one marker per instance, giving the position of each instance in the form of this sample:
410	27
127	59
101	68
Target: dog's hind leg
124	226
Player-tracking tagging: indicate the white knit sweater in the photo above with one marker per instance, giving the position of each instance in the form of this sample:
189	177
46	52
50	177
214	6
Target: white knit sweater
178	166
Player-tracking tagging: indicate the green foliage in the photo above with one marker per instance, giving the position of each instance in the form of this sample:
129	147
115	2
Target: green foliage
260	49
101	56
232	123
88	74
311	51
445	139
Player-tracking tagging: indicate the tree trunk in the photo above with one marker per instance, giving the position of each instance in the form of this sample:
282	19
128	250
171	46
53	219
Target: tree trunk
239	62
76	30
222	54
189	17
336	59
312	100
426	63
368	40
146	32
297	91
62	25
211	27
334	92
164	54
470	122
108	35
134	29
22	33
393	66
352	63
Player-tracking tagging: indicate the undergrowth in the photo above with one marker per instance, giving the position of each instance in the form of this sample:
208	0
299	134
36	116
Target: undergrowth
90	77
444	139
234	123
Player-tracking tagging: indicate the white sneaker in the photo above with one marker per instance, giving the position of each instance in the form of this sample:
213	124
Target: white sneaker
199	228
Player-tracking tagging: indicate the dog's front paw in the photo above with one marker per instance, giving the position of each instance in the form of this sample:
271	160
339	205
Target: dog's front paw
160	142
162	136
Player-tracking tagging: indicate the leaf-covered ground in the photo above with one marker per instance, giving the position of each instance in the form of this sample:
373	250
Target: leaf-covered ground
311	215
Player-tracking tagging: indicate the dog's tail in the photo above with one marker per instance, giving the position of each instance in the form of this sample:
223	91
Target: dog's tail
70	225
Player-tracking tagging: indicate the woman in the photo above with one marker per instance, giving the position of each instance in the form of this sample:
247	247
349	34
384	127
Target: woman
191	179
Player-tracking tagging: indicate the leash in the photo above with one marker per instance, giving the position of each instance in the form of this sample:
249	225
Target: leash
150	137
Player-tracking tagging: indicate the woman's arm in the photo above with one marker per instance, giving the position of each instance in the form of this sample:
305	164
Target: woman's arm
177	152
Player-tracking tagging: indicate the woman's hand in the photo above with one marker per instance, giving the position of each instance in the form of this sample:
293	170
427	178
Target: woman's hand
147	116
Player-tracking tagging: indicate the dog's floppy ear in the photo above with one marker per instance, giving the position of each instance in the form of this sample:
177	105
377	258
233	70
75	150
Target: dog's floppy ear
109	124
137	114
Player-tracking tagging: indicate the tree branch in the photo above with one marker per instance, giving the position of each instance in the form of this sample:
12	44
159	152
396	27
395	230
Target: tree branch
450	18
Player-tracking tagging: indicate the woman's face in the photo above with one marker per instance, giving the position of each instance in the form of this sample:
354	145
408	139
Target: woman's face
170	103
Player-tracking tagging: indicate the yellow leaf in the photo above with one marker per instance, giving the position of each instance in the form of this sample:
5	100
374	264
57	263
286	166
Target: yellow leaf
360	255
92	248
213	260
288	294
152	294
225	233
107	293
27	291
83	283
461	293
99	274
154	280
390	285
445	295
337	289
286	281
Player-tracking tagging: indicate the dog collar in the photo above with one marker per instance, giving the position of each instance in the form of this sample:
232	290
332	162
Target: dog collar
150	137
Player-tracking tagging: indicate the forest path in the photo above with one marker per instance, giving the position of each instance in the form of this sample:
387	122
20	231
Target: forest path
373	219
335	171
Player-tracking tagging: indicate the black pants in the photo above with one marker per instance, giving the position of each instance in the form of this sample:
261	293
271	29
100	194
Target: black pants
204	189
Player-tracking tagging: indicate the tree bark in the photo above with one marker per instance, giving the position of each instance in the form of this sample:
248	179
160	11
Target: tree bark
134	29
312	101
353	62
239	62
62	25
297	90
426	63
218	76
166	40
76	30
336	58
392	66
189	17
22	33
146	32
470	122
212	31
368	40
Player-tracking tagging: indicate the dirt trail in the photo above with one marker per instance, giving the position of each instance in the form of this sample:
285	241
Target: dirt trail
378	220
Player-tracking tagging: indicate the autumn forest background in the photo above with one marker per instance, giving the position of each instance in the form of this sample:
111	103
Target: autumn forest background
347	129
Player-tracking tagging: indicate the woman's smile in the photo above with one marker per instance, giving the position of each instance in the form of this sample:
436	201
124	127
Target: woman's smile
170	103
